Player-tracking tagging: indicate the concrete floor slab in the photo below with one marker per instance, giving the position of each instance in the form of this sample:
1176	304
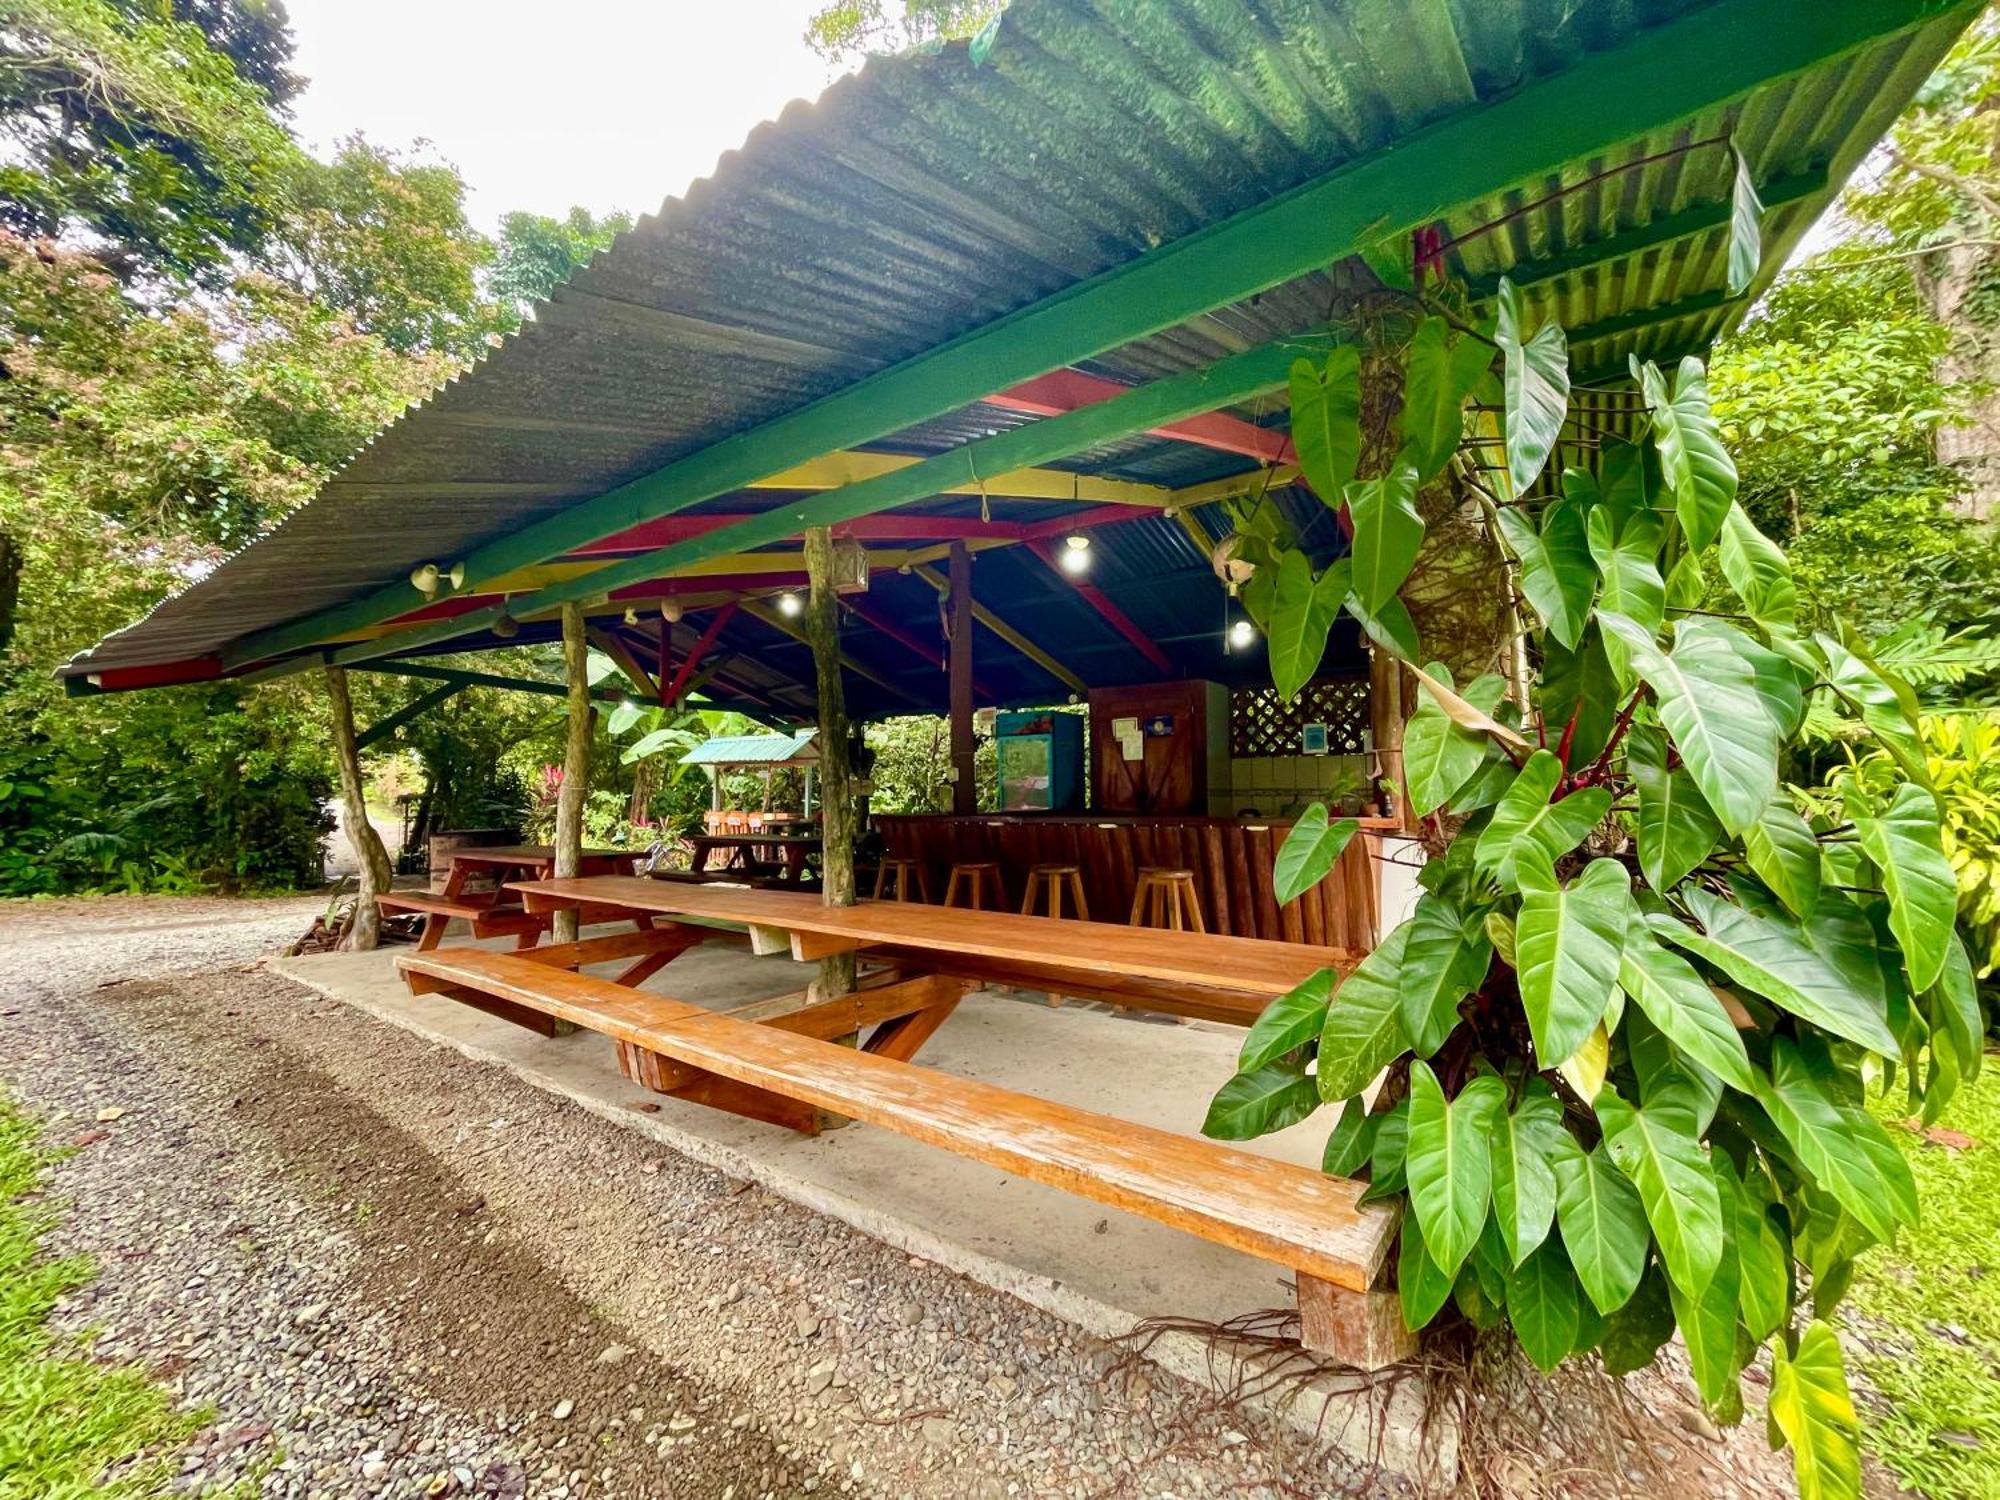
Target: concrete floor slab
1098	1267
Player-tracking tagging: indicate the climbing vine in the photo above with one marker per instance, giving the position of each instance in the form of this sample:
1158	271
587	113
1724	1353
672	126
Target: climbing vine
1614	1064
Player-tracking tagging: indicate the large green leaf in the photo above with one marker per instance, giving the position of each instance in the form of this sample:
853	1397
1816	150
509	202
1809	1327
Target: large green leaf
1287	1023
1542	1304
1309	852
1352	1140
1388	534
1326	420
1677	831
1256	1103
1773	958
1688	1013
1628	562
1886	703
1638	1330
1746	237
1696	466
1389	628
1422	1285
1763	1259
1439	754
1303	609
1785	855
1659	1148
1526	822
1902	840
1758	571
1557	574
1957	1018
1442	964
1580	688
1440	374
1524	1179
1603	1223
1811	1406
1707	1319
1711	705
1449	1164
1364	1023
1566	948
1847	1152
1536	381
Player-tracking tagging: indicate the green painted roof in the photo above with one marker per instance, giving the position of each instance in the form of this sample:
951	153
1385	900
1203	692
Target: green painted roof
755	750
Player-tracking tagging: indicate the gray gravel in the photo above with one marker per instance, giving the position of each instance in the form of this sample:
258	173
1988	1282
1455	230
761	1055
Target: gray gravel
391	1271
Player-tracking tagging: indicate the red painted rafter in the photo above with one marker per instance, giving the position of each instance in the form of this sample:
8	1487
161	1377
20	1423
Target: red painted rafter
1061	391
722	618
868	614
1100	601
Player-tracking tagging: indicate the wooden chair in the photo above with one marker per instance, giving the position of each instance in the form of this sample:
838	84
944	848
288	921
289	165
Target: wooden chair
1050	881
976	874
900	870
1166	898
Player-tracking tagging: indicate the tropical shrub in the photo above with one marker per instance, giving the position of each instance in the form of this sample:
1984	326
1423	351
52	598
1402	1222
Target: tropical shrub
1624	1042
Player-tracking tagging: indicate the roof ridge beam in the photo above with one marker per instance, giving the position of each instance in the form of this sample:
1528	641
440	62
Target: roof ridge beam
1665	74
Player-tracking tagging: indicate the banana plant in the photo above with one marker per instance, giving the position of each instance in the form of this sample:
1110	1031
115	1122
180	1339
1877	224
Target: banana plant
1626	1038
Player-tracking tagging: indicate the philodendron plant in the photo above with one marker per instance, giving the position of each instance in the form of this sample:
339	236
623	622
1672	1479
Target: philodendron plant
1625	1040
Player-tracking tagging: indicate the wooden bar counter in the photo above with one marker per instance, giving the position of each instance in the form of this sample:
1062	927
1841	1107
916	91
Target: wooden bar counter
1230	857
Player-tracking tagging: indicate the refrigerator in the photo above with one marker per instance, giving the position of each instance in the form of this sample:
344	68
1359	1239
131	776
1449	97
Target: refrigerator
1041	761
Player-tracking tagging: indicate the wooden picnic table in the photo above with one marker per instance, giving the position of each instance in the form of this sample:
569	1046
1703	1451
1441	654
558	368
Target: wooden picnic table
806	1061
493	911
793	849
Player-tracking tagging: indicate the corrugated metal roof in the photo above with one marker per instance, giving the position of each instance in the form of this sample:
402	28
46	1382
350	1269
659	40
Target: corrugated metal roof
753	750
925	198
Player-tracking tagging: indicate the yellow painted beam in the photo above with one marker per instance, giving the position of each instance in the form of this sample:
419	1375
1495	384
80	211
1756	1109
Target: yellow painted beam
1009	634
833	470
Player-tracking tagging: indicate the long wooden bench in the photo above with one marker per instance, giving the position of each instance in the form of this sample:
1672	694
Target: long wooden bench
488	914
1294	1216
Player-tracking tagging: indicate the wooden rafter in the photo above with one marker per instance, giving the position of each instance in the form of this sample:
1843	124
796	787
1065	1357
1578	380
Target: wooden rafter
1009	634
1101	602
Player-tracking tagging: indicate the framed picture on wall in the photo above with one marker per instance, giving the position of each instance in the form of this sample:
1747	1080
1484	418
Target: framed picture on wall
1312	739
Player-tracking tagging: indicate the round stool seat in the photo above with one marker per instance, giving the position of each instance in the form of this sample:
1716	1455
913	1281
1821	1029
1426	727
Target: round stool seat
975	874
1050	881
1166	897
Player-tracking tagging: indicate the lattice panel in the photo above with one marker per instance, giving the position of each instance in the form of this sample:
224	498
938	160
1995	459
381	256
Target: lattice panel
1261	723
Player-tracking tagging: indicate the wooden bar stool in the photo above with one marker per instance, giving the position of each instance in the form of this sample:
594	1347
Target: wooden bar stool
1050	880
902	870
1167	898
976	874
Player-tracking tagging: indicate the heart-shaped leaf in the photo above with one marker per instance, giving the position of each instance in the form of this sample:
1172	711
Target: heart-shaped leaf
1449	1163
1364	1022
1567	942
1689	1014
1785	855
1423	1286
1287	1023
1442	964
1580	689
1659	1148
1710	703
1677	831
1303	609
1848	1154
1557	574
1524	1179
1388	534
1352	1141
1628	563
1256	1103
1603	1223
1439	754
1641	1327
1902	841
1542	1304
1438	378
1758	571
1536	381
1326	420
1697	468
1309	853
1811	1406
1525	823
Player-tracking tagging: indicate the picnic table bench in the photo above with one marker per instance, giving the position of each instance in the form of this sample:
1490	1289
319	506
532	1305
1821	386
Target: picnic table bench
494	911
805	1060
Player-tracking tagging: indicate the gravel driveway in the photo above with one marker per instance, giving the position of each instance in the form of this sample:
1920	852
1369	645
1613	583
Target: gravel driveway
393	1271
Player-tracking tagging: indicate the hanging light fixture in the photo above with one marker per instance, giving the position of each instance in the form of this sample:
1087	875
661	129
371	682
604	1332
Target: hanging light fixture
1075	556
1241	636
790	605
424	579
670	611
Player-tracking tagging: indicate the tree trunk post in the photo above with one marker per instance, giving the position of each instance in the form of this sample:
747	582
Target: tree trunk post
836	972
364	933
964	787
576	761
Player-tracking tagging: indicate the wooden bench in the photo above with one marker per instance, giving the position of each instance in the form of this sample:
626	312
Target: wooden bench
486	916
1294	1216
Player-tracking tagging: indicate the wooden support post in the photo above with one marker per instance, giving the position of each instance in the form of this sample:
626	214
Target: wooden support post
365	931
836	971
576	761
1385	720
964	789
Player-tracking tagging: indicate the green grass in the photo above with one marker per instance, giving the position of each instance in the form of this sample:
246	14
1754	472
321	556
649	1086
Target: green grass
65	1418
1932	1303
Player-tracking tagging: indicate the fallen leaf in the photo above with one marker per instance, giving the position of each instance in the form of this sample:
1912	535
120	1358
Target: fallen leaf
106	1116
92	1137
644	1106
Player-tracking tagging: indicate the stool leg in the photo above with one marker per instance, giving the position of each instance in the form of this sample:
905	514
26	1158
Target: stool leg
978	884
1028	896
1138	903
881	880
1076	894
1194	909
951	888
1173	895
923	885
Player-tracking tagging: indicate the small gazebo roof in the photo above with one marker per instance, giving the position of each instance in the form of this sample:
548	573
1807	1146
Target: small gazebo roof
766	751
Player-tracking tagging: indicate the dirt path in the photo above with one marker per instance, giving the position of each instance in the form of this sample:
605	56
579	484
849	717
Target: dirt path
393	1271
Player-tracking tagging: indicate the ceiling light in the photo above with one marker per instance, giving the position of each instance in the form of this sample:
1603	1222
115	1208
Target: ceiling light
670	611
1242	636
1075	555
790	606
506	627
425	579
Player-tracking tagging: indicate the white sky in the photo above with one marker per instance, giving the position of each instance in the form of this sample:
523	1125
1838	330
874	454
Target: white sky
606	103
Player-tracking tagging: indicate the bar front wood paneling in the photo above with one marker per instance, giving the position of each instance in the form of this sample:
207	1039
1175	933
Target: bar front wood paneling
1230	859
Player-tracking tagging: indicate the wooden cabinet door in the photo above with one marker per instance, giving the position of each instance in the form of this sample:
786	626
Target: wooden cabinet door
1171	774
